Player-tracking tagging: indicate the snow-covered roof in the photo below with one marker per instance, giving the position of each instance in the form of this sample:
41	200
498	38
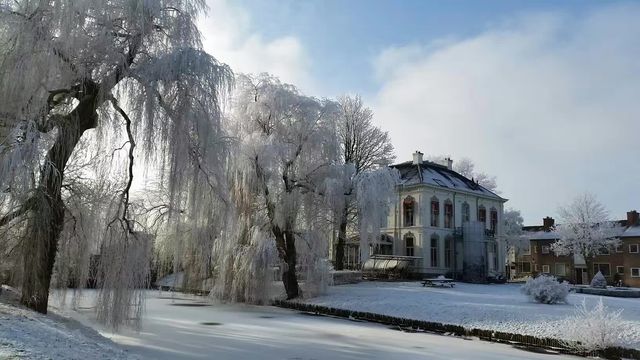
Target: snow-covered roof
632	231
541	235
433	174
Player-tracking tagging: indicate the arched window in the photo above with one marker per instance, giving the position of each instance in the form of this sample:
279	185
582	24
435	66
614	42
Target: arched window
409	207
465	212
409	242
493	219
435	211
434	250
482	214
448	251
448	214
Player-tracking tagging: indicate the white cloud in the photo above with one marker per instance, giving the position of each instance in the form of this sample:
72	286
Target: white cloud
547	103
228	36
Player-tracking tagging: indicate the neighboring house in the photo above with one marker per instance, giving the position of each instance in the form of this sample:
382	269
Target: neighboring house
449	224
620	264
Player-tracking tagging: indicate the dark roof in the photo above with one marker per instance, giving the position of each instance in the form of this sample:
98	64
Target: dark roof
430	173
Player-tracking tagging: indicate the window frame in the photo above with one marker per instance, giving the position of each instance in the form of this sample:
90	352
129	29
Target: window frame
433	253
482	210
638	272
448	252
637	248
548	269
409	208
407	247
545	247
564	269
435	212
598	264
466	212
448	214
618	270
493	223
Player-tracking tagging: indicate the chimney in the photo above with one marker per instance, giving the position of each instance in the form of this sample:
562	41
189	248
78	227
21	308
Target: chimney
547	223
449	163
417	158
632	218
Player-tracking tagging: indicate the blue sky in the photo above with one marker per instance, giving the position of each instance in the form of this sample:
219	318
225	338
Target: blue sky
541	94
342	37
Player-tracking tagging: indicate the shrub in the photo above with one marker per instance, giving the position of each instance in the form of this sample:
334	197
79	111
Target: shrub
596	328
546	290
599	281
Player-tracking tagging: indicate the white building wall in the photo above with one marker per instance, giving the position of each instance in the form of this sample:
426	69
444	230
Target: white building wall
422	229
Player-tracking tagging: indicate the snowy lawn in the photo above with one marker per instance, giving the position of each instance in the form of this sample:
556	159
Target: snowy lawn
493	307
191	328
25	334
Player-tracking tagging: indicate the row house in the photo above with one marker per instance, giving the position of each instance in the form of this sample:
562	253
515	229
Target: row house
619	265
449	223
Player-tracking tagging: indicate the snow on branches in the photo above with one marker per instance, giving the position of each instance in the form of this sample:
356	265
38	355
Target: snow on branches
546	290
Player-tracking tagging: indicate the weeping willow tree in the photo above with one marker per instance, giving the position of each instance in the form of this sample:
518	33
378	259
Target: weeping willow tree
286	181
103	70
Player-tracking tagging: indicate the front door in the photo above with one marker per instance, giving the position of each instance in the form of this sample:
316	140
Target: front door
581	276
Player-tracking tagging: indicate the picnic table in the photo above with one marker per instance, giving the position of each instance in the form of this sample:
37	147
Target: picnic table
439	281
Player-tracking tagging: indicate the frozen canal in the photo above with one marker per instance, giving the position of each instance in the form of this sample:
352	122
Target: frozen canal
187	328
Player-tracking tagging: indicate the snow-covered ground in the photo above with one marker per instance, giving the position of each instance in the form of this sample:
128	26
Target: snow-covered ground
25	334
494	307
189	328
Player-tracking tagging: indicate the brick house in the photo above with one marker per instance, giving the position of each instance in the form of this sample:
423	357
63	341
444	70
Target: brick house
621	264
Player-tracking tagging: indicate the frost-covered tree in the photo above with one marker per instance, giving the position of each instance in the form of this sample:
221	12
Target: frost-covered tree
585	230
364	147
597	328
546	290
513	233
284	161
467	168
120	67
599	281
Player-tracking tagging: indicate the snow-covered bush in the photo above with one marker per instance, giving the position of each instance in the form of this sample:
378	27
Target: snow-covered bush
596	328
546	290
599	281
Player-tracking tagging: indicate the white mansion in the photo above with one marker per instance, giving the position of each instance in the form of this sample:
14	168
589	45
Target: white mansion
450	224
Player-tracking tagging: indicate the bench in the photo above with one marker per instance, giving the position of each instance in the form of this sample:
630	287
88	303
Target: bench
438	282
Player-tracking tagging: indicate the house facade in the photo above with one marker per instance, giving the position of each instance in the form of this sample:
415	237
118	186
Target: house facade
619	265
448	223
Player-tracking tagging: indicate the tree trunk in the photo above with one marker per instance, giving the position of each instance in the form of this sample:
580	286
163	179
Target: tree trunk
289	276
342	239
47	218
590	274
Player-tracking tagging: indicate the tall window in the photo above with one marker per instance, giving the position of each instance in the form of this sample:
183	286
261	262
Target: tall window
409	245
465	212
409	206
494	220
434	250
448	251
482	214
605	269
448	214
435	212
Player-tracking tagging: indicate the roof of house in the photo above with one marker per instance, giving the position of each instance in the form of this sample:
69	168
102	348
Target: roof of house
537	232
430	173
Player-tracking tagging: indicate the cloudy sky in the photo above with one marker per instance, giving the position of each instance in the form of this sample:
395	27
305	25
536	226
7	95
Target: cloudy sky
544	95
